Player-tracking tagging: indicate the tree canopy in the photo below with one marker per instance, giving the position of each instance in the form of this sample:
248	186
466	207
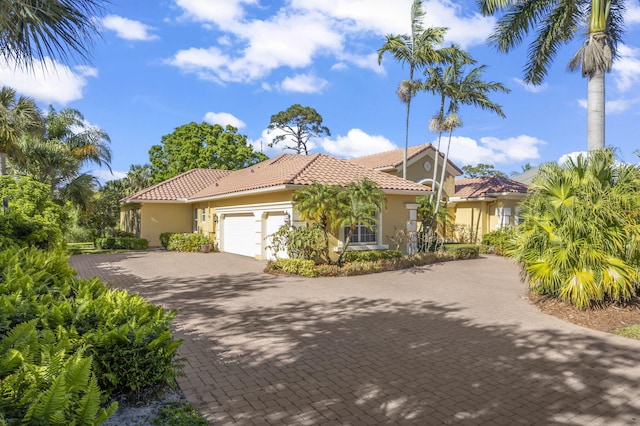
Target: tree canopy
201	145
297	124
481	169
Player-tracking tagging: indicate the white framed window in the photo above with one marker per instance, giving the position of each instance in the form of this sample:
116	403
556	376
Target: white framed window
203	215
362	234
195	220
504	217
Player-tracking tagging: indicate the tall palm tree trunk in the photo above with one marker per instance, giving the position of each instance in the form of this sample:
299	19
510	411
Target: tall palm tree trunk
595	111
406	140
442	176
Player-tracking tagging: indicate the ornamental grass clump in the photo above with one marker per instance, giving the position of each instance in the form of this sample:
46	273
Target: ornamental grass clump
580	239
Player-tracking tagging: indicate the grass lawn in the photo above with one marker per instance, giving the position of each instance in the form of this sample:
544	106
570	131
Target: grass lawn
90	248
632	331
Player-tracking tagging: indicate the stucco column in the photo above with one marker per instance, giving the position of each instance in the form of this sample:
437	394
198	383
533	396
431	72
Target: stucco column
412	227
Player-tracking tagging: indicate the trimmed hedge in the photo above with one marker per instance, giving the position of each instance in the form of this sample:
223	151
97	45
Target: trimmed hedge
306	268
121	243
370	255
463	251
183	242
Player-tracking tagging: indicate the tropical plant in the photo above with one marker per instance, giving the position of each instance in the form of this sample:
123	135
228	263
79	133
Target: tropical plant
319	203
56	158
300	124
359	205
557	24
580	239
55	28
201	146
18	117
461	88
417	50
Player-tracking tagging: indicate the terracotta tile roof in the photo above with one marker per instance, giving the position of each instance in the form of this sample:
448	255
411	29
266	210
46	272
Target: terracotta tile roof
384	160
484	186
291	169
179	187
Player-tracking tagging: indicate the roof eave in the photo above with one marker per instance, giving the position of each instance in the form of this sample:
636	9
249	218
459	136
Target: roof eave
463	199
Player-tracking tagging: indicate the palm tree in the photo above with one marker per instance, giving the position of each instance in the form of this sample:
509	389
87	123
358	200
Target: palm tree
461	89
359	204
17	119
318	203
31	30
417	50
579	239
557	23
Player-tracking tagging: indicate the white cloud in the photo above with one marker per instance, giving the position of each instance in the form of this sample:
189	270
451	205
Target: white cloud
491	150
223	119
128	29
356	144
106	175
48	81
627	68
252	47
613	106
572	155
262	144
303	83
632	14
531	87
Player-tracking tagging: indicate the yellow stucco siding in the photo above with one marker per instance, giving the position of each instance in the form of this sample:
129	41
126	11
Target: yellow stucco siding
471	221
417	173
269	197
159	217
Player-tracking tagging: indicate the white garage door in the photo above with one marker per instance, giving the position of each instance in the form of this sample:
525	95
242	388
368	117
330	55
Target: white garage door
239	234
273	223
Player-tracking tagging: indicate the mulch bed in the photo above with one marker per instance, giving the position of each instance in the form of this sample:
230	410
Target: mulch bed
606	317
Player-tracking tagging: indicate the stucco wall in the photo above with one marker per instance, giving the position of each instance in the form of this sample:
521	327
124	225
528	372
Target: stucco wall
160	217
416	172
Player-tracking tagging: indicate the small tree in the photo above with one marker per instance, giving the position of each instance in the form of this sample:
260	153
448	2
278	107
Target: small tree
299	124
358	205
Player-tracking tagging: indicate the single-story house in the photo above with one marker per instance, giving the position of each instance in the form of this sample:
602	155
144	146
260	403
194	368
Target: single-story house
240	209
484	204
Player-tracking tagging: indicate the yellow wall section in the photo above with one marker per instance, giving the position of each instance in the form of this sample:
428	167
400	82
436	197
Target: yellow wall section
158	218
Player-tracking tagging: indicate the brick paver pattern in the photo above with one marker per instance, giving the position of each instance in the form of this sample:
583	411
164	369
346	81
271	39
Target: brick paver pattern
454	343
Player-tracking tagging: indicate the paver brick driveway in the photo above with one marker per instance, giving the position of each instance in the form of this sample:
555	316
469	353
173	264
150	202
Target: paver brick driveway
453	343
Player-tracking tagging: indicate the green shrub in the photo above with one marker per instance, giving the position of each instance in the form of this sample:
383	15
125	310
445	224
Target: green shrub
305	268
127	340
500	239
370	255
303	242
179	413
463	251
580	238
121	243
43	381
183	242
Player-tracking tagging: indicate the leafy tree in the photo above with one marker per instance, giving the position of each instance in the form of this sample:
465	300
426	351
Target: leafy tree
201	146
300	124
18	117
525	168
481	169
417	50
579	240
32	218
32	30
556	24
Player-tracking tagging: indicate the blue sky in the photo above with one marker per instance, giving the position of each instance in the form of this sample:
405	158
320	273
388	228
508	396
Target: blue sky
159	65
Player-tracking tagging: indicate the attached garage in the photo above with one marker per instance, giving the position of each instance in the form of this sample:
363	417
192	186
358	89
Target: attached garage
239	234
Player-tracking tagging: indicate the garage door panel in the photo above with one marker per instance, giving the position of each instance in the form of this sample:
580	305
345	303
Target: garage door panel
273	223
239	234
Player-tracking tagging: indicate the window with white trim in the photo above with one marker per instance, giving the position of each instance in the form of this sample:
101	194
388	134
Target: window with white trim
203	215
362	234
195	220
